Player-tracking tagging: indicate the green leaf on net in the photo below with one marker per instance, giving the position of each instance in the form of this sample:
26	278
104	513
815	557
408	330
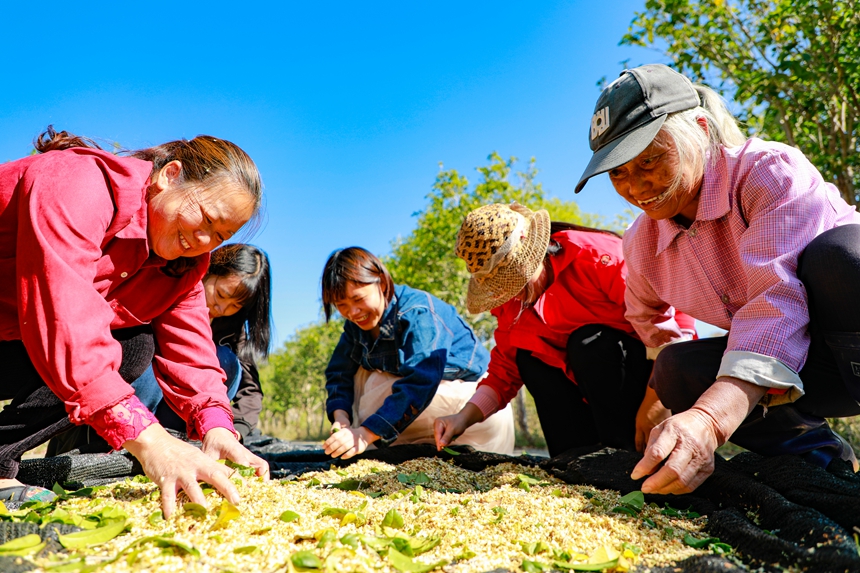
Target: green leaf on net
533	548
20	543
393	519
696	543
465	554
448	450
534	566
337	512
407	565
245	550
88	538
289	516
634	499
226	513
585	566
625	510
244	471
347	485
351	540
313	482
306	560
194	510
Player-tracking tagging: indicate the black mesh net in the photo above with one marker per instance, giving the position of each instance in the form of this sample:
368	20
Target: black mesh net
777	513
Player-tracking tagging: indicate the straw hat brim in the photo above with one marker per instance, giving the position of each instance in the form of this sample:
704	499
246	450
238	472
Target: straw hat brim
510	279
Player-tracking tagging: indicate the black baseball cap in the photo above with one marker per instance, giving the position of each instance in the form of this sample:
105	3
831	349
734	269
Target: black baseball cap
629	113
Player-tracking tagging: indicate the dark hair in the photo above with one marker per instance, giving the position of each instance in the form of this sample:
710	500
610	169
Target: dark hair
554	248
205	159
352	264
251	265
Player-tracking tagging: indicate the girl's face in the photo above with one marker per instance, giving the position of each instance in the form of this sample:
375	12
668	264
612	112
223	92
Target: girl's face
645	181
362	304
221	297
187	222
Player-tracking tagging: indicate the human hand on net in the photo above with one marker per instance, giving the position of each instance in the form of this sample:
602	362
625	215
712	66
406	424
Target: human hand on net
348	442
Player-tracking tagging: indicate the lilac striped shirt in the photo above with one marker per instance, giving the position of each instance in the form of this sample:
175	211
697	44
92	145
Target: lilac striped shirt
735	267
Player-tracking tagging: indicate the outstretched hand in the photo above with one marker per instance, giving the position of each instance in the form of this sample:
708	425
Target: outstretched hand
446	429
685	443
175	466
346	442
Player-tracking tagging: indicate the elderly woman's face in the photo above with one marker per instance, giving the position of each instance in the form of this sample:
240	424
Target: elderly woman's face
645	182
189	222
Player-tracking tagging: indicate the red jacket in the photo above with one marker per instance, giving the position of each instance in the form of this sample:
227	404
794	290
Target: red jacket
75	264
588	288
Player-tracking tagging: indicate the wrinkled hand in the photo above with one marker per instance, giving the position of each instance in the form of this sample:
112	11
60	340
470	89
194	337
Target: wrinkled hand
348	442
221	444
174	465
686	442
651	413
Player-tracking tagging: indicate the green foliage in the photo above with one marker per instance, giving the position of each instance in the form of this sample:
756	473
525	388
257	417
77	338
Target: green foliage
294	379
793	66
425	258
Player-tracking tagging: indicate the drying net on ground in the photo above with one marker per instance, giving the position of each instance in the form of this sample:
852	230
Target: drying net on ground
778	514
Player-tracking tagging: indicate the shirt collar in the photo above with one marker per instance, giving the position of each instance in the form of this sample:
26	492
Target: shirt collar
713	203
387	324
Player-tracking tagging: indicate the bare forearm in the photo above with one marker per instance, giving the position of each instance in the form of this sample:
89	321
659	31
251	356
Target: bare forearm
727	403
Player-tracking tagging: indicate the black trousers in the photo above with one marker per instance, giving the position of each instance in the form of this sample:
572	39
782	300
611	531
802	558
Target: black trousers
35	414
611	374
830	270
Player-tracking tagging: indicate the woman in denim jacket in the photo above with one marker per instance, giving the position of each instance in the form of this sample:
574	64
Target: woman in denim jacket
404	358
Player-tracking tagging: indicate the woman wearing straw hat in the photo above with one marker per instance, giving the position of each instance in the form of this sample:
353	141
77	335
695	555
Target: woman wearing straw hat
557	291
746	235
404	358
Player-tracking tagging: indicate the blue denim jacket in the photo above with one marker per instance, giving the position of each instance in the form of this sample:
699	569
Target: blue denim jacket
421	339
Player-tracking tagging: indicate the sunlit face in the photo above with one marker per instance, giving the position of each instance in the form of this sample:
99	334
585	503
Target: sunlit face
645	182
362	304
187	222
221	295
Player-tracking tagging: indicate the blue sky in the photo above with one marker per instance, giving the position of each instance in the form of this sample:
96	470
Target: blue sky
347	108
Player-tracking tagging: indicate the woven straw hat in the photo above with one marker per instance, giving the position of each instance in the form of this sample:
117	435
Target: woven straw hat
503	245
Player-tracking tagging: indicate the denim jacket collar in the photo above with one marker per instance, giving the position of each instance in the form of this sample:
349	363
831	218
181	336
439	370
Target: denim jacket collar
387	325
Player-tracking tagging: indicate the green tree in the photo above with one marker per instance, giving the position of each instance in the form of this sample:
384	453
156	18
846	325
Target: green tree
793	66
294	380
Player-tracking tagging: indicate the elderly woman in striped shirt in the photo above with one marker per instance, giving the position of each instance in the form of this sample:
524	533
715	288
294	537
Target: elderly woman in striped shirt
746	235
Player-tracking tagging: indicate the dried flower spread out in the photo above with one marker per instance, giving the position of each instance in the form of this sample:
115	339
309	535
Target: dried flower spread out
422	515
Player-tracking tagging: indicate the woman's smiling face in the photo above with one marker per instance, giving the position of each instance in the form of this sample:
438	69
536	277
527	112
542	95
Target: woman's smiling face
363	305
646	182
185	221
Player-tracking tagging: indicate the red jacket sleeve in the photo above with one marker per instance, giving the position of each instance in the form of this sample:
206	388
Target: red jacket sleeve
186	356
503	376
64	209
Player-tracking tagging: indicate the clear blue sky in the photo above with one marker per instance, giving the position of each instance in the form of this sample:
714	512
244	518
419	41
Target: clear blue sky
347	108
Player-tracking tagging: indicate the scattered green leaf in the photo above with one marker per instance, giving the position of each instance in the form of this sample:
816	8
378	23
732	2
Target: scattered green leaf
245	550
88	538
289	516
306	560
448	450
195	510
407	565
393	519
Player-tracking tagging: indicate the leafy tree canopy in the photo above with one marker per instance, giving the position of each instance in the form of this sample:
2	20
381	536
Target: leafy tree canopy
793	66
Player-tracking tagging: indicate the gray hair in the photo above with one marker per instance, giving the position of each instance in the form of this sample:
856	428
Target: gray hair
697	148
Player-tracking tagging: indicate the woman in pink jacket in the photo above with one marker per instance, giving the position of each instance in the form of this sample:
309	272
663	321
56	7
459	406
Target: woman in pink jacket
101	258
